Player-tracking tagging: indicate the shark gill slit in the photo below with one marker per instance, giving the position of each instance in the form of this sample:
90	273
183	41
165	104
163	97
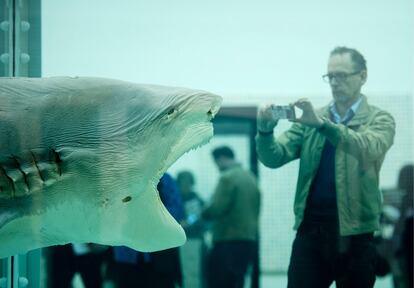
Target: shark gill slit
37	167
58	161
19	167
13	191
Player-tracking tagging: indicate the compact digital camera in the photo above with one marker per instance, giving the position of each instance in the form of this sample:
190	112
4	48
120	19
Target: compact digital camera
283	112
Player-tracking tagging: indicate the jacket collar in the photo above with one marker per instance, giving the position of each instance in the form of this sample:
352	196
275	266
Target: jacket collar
361	114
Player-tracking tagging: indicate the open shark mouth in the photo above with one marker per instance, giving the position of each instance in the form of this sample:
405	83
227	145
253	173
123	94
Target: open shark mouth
66	178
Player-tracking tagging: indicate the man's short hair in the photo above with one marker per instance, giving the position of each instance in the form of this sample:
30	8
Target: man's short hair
223	151
359	61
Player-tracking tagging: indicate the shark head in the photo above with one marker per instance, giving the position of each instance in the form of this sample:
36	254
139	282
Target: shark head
81	158
177	121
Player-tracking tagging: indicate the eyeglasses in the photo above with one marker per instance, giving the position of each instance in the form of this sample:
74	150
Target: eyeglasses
339	76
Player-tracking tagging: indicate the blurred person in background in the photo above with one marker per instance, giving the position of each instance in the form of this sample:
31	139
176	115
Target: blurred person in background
193	225
193	253
337	205
403	235
234	213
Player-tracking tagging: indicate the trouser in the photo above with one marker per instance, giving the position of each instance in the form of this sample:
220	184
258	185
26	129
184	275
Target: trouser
160	269
320	257
228	262
140	276
64	264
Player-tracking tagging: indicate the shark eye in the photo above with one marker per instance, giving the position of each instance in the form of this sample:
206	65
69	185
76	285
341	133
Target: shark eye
171	111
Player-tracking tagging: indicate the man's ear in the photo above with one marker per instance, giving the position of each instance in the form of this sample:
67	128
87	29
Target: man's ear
364	76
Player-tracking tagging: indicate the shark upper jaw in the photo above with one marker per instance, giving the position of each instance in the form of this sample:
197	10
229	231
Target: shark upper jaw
202	130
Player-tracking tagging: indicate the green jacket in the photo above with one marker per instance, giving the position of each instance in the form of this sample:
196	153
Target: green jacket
361	145
235	205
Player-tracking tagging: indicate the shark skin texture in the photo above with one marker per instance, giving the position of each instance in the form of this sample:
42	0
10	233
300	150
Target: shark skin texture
80	158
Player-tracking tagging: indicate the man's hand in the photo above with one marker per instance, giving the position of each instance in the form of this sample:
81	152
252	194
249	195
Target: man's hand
265	121
309	117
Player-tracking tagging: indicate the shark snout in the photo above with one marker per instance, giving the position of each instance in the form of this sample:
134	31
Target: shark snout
214	107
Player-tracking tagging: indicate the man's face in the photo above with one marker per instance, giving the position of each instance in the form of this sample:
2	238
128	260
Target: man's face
347	81
222	163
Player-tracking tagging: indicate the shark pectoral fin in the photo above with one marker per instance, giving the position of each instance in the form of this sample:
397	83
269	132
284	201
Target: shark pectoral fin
144	224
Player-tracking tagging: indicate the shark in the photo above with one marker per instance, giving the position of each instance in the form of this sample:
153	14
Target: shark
80	159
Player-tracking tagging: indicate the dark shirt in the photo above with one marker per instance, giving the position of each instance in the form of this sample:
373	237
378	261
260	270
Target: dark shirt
321	204
171	197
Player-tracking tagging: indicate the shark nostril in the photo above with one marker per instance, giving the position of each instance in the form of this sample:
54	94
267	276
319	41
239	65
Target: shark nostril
210	114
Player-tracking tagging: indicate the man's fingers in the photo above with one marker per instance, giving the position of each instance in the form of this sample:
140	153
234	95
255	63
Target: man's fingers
301	101
300	105
304	104
265	111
